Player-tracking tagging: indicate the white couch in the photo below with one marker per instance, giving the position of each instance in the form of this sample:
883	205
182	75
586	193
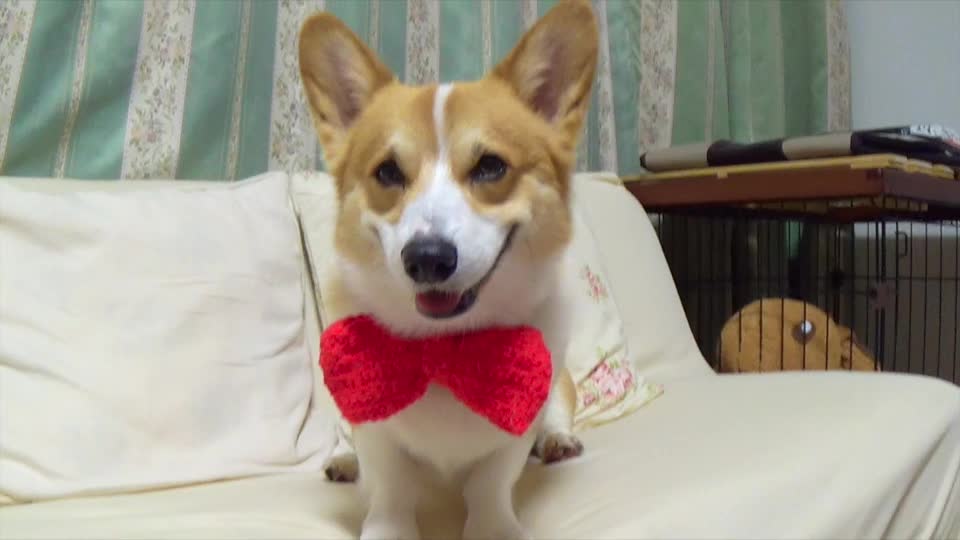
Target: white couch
799	455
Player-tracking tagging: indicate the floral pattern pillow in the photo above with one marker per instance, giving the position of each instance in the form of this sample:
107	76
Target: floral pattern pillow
609	386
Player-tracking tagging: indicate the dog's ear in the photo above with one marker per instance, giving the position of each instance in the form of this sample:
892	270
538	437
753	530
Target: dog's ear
340	75
552	67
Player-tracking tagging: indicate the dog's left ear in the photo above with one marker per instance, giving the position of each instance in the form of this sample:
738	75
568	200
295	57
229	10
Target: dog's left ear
340	76
552	67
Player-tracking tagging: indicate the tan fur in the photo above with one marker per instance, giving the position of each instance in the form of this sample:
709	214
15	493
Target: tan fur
325	45
396	124
560	41
781	346
395	120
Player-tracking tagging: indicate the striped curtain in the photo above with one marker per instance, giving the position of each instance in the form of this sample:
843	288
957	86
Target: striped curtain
209	89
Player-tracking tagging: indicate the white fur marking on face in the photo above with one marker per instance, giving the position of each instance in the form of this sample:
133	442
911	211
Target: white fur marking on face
442	209
439	120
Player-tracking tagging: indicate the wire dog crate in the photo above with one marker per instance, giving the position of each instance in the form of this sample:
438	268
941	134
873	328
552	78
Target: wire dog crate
850	281
893	283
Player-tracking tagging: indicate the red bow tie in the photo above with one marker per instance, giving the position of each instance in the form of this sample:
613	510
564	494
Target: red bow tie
502	374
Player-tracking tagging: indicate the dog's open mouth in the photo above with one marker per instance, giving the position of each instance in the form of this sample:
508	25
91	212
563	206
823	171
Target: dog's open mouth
440	304
444	304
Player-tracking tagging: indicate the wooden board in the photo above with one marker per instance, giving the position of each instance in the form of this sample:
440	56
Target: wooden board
874	161
842	189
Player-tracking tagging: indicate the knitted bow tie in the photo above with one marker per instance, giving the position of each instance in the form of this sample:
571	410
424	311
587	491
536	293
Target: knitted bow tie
502	374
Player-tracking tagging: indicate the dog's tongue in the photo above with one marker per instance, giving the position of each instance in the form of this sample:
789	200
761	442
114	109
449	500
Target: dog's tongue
438	304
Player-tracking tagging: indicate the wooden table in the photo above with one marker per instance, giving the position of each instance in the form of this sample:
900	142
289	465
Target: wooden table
836	189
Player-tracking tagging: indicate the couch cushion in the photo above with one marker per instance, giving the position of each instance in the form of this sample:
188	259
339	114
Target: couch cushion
795	455
608	380
657	333
598	356
151	337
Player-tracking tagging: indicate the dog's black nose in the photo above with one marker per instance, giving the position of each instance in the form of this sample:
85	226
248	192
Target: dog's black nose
429	259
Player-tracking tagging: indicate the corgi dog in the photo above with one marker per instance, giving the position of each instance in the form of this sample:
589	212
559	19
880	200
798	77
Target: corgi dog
453	214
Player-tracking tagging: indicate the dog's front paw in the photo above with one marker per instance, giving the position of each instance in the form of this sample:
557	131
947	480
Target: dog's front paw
342	468
557	446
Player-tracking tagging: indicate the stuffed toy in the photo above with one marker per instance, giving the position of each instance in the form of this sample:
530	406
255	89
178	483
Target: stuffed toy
502	374
780	334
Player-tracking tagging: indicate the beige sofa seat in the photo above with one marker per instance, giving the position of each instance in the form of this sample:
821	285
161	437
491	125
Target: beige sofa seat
811	455
771	456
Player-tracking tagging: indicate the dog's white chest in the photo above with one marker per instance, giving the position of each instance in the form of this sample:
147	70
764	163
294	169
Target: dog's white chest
441	432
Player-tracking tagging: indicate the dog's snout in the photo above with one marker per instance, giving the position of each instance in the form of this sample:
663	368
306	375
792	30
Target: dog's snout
429	259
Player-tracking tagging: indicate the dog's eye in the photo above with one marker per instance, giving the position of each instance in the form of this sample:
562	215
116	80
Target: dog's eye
489	168
389	174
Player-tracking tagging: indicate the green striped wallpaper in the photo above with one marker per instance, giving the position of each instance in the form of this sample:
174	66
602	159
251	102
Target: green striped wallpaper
210	89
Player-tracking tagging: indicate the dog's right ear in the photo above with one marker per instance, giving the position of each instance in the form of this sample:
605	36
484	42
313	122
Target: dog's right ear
340	75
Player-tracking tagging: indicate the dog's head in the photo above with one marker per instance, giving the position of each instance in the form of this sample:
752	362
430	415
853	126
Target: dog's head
453	198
